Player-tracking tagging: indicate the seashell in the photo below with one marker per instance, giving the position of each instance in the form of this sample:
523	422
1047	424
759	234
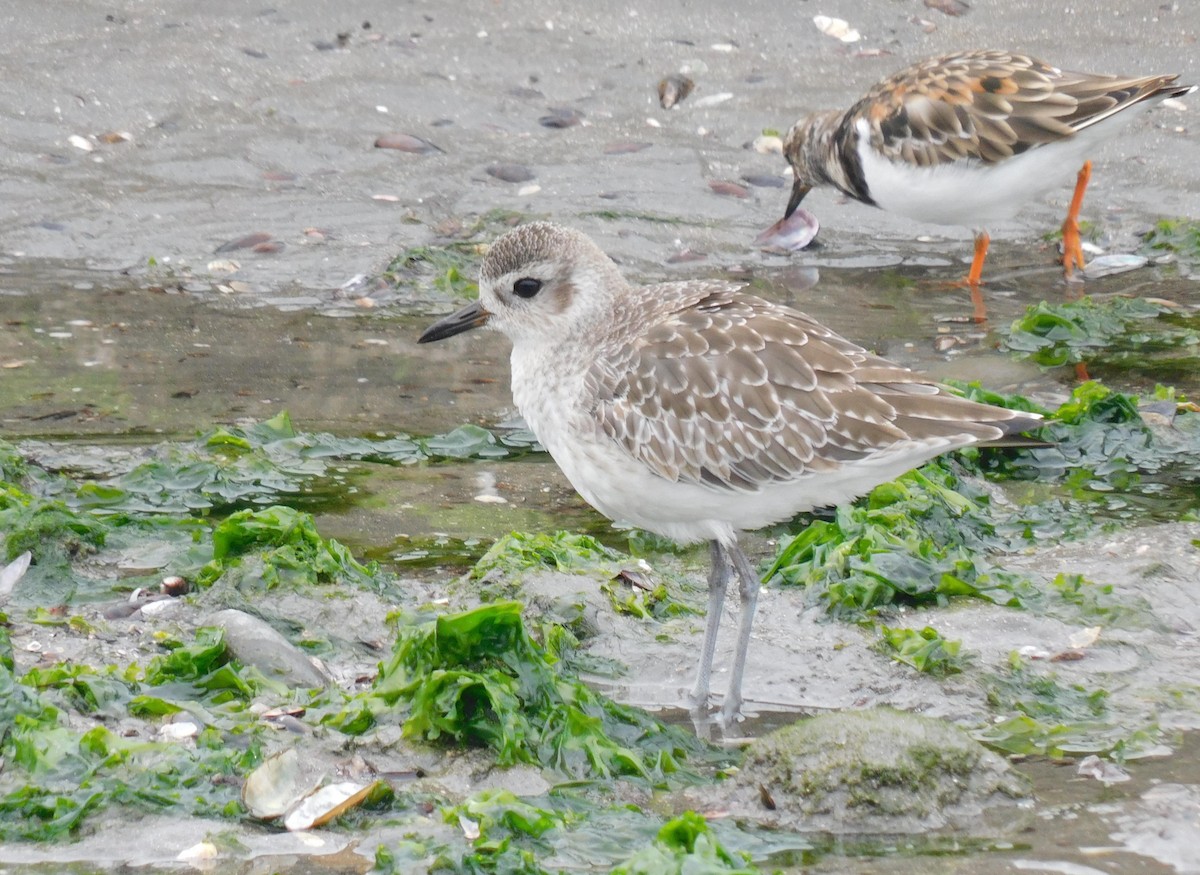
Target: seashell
790	234
561	117
327	803
838	28
112	137
200	855
632	578
1084	637
1107	265
1102	770
247	242
405	143
673	89
949	7
159	607
273	787
179	730
729	189
470	828
14	571
713	99
767	144
174	585
764	180
510	172
81	143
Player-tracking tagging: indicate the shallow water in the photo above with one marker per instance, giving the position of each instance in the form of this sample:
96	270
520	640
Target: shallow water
115	361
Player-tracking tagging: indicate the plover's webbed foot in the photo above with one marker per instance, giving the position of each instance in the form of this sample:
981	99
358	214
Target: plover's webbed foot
718	582
748	586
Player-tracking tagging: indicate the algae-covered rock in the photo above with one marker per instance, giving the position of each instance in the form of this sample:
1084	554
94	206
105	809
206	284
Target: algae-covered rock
872	771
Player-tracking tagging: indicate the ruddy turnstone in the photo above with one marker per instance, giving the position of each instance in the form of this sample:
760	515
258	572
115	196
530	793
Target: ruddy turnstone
967	139
695	410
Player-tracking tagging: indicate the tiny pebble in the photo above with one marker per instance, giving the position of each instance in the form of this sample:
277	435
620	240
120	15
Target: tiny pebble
510	172
561	117
764	180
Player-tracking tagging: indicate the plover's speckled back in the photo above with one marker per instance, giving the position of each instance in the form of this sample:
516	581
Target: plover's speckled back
967	139
695	410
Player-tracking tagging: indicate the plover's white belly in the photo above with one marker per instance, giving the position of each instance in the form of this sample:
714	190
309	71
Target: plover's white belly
625	490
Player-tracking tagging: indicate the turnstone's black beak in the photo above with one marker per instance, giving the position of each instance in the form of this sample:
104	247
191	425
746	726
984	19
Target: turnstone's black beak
799	190
471	316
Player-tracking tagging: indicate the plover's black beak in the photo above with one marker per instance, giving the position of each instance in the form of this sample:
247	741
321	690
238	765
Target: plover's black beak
799	190
471	316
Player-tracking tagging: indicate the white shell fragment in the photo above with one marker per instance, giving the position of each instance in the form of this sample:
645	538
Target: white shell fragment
273	787
198	854
1107	265
790	234
470	828
838	28
179	730
712	99
326	804
81	143
767	144
1084	637
160	608
13	572
1102	770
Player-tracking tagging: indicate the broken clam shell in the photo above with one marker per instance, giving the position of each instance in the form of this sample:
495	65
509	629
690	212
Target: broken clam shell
790	234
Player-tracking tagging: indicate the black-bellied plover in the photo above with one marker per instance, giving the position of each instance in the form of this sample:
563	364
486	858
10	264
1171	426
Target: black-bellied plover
967	139
695	410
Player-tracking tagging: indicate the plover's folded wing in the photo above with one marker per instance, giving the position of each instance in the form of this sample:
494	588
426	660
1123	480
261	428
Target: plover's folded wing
735	392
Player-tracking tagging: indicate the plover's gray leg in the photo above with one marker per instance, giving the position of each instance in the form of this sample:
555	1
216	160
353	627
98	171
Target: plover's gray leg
748	586
718	582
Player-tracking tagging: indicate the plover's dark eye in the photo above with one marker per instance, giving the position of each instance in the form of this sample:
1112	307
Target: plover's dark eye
527	287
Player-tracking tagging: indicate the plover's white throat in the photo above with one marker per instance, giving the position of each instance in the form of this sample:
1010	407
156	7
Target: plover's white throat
967	139
695	410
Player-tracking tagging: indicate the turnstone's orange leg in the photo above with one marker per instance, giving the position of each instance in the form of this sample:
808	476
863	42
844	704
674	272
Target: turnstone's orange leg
975	275
1072	246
